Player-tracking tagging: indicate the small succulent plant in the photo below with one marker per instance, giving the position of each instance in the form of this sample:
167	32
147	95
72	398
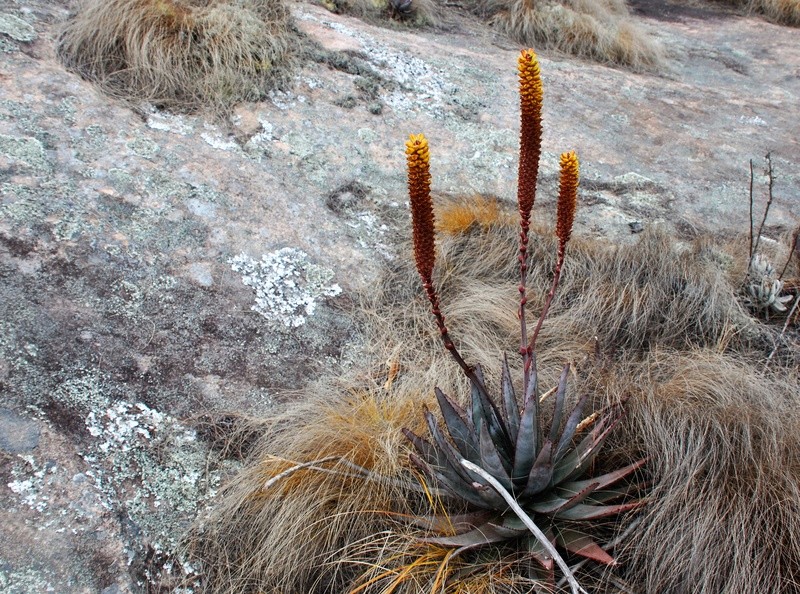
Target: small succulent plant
763	290
520	480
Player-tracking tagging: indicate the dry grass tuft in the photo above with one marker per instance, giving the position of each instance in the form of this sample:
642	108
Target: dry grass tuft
722	433
599	30
414	12
722	436
459	217
784	12
314	529
184	55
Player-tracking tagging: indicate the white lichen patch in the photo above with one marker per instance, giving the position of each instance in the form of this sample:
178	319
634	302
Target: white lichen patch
140	460
134	441
23	581
215	139
420	86
260	143
166	122
29	483
287	285
143	147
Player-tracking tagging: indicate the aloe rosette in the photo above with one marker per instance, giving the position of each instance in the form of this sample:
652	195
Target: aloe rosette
544	470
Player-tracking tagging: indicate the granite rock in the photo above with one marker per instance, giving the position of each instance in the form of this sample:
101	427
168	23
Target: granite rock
161	268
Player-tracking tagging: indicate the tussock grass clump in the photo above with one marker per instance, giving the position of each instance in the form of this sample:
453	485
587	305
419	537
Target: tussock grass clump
415	12
722	435
600	30
480	211
180	54
314	529
784	12
627	298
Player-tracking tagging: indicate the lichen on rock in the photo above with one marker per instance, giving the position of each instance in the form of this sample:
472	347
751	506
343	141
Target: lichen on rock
286	283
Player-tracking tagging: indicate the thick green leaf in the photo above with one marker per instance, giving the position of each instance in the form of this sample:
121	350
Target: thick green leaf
510	405
490	460
538	552
423	446
546	504
532	383
489	414
583	512
576	461
569	429
449	481
452	459
582	544
558	409
482	535
575	500
459	428
456	523
490	497
541	473
603	481
526	448
602	496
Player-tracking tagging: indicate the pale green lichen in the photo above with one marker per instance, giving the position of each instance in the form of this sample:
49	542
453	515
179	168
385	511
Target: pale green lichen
16	28
25	150
143	147
24	581
141	460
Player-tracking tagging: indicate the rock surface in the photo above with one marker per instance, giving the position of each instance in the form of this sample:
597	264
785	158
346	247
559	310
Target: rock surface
160	268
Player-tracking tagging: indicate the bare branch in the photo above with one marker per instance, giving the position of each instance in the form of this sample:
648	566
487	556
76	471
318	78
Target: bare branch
529	523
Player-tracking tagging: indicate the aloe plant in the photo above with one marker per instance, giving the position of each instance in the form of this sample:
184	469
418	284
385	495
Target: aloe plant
540	467
522	480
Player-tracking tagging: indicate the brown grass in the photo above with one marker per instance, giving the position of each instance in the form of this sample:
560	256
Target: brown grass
601	30
419	12
722	433
456	218
180	54
784	12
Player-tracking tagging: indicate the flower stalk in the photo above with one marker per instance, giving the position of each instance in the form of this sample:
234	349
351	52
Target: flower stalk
423	224
530	147
565	217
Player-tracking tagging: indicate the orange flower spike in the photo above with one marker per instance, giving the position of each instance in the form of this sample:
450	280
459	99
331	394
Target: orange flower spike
530	142
419	191
567	196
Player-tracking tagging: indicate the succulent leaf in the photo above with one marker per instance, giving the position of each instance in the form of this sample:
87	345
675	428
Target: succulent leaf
525	451
482	535
569	429
491	461
575	462
602	481
459	427
582	512
538	552
484	409
510	406
451	459
541	473
559	406
602	496
456	523
582	544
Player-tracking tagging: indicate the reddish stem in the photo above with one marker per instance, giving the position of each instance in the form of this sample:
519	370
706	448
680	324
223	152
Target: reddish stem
556	276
